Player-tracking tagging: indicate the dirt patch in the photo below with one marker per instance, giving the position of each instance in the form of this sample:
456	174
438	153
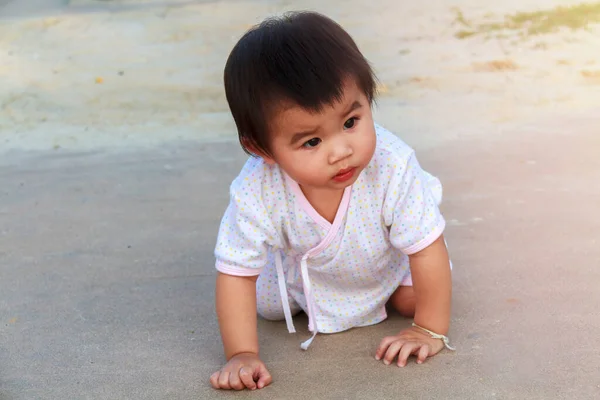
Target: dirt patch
495	66
591	76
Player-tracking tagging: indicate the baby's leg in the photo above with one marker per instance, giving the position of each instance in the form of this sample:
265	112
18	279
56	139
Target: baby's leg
268	299
403	300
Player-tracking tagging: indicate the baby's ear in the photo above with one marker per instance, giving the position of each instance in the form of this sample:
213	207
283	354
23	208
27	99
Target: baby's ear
251	147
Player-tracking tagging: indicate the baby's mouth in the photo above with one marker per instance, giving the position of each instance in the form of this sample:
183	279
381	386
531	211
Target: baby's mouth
344	174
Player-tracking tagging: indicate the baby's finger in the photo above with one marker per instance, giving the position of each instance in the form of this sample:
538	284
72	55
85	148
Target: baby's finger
392	352
235	382
223	381
264	378
214	379
383	346
247	378
405	352
423	353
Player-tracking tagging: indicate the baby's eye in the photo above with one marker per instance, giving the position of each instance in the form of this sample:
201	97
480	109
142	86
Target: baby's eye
349	124
314	142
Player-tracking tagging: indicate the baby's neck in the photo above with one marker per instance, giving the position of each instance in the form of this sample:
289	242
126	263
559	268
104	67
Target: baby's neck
325	201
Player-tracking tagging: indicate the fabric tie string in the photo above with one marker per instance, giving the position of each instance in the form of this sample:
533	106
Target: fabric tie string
283	292
312	323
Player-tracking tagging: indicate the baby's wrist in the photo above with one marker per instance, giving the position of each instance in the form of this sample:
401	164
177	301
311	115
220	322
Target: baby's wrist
434	335
246	353
242	353
433	321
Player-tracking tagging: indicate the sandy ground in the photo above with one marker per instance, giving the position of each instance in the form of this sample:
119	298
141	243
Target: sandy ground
116	151
141	73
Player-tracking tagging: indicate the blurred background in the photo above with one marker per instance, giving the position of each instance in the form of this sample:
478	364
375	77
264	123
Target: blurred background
101	73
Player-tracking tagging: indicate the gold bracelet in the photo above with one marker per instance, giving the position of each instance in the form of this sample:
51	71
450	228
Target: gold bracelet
436	336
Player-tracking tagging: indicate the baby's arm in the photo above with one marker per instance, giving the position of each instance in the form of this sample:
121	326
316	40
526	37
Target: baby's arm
416	228
236	312
245	236
432	283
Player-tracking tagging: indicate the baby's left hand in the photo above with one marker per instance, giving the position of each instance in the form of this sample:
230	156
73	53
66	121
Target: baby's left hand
411	341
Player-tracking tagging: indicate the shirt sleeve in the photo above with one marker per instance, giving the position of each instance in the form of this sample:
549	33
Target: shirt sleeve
412	208
245	235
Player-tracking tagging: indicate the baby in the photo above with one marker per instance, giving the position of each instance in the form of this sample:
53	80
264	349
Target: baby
332	215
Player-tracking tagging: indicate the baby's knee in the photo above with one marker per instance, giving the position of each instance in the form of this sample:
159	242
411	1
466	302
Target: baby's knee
274	311
404	301
270	314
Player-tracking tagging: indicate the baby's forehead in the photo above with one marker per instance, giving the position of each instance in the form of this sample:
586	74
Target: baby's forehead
291	117
286	107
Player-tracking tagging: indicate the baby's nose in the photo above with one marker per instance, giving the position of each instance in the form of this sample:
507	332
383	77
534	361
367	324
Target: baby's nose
340	152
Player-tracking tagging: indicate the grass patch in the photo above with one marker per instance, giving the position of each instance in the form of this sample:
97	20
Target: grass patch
534	23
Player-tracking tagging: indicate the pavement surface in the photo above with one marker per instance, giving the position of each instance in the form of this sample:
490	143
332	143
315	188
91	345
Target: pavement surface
107	278
107	269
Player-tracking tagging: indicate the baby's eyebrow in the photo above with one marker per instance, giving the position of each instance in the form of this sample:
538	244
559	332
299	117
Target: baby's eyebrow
354	106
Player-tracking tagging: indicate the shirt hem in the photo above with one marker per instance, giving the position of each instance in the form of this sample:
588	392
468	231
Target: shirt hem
331	331
237	271
433	236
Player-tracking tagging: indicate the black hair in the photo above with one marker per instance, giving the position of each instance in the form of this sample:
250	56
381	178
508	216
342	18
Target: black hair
301	57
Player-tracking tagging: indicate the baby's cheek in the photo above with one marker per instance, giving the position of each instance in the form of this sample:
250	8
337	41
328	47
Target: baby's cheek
367	145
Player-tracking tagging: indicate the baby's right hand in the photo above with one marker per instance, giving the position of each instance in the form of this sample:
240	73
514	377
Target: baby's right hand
244	370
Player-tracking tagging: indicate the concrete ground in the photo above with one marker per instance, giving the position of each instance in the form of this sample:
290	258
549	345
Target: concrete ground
107	278
106	263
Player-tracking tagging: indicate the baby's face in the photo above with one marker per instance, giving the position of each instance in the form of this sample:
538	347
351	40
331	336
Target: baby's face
326	150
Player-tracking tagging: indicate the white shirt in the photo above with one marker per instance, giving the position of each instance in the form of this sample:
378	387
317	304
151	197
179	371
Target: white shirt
351	266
